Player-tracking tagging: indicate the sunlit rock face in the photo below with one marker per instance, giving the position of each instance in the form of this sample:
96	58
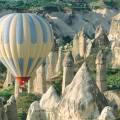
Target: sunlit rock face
114	98
114	36
34	112
9	80
50	99
59	65
11	109
52	61
81	45
107	114
114	32
68	70
45	109
40	80
48	104
81	99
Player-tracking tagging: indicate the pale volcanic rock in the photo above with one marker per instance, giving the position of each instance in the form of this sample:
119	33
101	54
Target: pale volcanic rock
9	80
48	104
68	70
81	99
114	36
52	61
114	32
40	80
114	97
107	114
101	71
34	112
50	99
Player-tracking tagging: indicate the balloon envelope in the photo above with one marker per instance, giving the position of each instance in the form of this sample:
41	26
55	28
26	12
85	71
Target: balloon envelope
25	39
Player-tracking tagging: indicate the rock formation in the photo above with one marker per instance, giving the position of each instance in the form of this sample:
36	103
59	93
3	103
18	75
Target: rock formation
81	99
45	109
101	40
101	71
3	115
114	36
65	25
107	114
68	70
114	33
115	54
60	27
48	104
82	44
75	49
49	100
11	109
17	89
77	59
79	44
59	66
34	112
52	61
30	85
114	98
9	80
40	80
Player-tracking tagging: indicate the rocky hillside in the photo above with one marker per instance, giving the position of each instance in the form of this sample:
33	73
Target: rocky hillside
67	24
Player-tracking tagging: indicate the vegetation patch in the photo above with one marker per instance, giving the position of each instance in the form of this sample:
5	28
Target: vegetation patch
6	93
113	78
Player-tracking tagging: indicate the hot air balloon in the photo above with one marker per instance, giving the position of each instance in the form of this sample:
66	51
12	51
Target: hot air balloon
25	40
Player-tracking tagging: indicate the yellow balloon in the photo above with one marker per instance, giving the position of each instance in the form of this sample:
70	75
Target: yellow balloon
25	39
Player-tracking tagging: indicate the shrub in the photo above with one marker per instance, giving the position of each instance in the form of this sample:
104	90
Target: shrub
58	86
6	93
113	79
25	100
24	103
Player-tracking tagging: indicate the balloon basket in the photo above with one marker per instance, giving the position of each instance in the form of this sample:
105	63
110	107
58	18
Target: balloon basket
22	80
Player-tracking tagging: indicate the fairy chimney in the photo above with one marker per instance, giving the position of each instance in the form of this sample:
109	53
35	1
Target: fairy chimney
31	83
101	39
82	43
9	80
68	70
17	89
59	65
101	71
40	80
82	99
52	61
75	49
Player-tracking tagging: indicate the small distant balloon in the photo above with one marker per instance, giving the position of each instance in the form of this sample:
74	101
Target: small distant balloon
25	40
